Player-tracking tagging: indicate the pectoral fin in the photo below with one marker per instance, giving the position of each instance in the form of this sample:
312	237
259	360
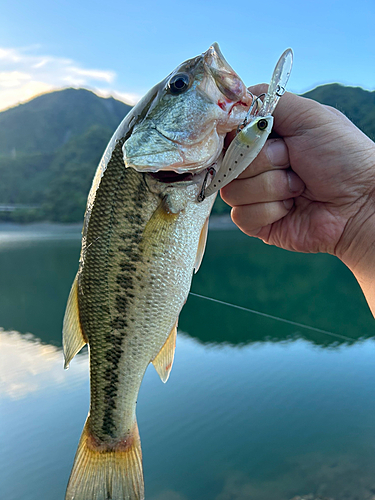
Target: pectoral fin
73	337
201	246
164	360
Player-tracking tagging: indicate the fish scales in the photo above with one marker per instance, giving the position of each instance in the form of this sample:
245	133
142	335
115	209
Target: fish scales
112	241
144	234
117	326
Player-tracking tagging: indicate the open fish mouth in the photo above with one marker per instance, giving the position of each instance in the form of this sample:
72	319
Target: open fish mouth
201	178
170	177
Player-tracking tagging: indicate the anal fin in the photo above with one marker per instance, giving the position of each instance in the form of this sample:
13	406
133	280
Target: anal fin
164	360
201	246
73	337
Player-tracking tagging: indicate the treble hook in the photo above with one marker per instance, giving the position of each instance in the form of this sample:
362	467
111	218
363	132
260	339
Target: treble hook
202	195
249	115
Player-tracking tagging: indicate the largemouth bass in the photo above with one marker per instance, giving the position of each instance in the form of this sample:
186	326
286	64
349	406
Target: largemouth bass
144	234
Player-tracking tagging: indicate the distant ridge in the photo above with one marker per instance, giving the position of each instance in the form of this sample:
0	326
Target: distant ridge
48	122
51	146
356	103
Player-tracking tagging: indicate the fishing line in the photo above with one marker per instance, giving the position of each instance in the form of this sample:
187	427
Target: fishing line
276	318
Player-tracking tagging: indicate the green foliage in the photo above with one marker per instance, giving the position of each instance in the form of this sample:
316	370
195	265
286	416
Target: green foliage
49	150
357	104
72	172
220	207
24	179
23	215
48	122
51	146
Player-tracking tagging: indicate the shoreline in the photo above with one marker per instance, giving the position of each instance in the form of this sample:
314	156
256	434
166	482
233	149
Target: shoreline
217	222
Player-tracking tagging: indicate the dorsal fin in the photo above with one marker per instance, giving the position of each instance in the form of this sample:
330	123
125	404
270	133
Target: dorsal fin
164	360
73	337
201	246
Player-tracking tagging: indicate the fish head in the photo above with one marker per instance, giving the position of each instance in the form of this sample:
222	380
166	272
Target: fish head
188	115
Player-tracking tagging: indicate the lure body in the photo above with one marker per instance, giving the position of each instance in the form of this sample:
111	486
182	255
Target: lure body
255	129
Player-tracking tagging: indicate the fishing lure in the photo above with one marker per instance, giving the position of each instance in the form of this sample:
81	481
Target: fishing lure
253	132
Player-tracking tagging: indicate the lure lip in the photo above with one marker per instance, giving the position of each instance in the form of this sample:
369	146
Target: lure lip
279	80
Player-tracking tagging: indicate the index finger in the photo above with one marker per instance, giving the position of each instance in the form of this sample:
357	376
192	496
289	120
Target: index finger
294	114
273	156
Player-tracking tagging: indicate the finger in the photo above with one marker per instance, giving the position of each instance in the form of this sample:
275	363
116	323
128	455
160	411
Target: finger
294	114
338	114
334	111
274	185
260	88
252	218
274	155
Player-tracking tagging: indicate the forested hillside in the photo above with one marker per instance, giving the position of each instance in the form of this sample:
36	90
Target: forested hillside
51	146
49	150
356	103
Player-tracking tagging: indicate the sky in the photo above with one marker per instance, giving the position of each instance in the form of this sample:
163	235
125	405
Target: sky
123	48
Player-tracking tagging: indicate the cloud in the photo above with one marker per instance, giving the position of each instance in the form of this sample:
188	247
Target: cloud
128	97
28	366
9	55
95	74
25	74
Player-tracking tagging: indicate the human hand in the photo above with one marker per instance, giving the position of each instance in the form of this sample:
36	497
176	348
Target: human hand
311	190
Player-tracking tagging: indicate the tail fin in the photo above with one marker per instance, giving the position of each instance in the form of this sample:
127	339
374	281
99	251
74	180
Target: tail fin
107	474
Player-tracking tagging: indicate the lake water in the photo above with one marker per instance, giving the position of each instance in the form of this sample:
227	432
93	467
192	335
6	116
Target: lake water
254	409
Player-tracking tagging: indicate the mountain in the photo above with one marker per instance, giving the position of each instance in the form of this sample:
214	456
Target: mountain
49	150
49	121
50	147
357	104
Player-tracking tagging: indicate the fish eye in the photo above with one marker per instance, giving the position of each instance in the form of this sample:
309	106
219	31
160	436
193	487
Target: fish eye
262	124
178	83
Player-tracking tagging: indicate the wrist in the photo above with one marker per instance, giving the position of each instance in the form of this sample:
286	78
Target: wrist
356	248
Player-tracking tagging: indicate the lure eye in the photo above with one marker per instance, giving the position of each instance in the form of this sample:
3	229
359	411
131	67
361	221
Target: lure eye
178	83
262	124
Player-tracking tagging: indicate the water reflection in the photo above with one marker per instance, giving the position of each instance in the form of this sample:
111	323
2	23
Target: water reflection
28	366
316	290
267	420
253	409
12	235
36	273
42	410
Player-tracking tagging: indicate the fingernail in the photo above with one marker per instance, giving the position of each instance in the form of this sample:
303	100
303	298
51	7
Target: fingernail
288	203
295	183
277	152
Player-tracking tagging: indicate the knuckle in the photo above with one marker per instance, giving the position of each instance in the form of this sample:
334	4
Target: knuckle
274	211
275	185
